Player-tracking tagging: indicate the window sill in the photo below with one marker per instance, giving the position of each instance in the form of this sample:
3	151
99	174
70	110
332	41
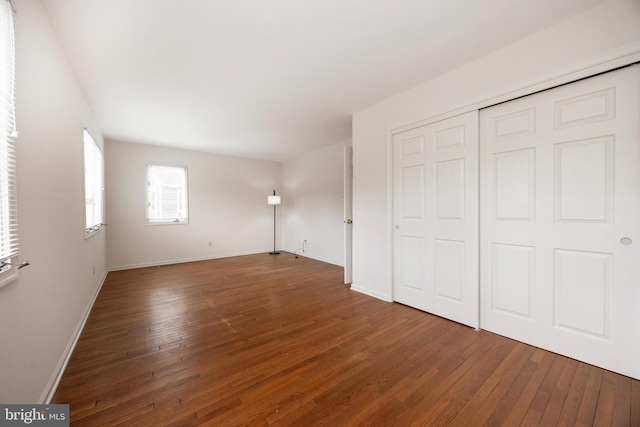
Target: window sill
8	276
89	233
181	222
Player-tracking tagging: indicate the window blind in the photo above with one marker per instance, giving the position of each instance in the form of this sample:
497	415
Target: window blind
9	247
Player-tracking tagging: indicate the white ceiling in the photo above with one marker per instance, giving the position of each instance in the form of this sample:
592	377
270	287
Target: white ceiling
272	79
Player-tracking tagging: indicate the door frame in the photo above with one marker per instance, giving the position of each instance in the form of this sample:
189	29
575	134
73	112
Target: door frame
348	212
619	59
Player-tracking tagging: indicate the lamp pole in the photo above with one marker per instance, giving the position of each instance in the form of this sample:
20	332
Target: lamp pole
274	200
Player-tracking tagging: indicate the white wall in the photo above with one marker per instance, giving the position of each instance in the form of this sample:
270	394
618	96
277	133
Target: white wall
227	206
604	33
313	204
41	312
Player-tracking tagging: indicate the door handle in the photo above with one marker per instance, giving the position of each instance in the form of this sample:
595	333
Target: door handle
626	241
349	221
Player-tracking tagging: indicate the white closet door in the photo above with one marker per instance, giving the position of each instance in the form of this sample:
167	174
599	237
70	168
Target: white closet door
435	244
560	220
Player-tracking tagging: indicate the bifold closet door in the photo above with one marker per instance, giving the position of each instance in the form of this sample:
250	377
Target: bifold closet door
560	220
435	213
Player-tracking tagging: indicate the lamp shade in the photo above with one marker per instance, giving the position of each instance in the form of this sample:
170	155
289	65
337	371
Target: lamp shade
273	200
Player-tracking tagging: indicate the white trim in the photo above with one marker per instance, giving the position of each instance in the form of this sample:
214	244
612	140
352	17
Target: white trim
54	381
619	58
183	260
206	258
370	293
177	221
8	276
304	255
92	232
390	224
347	212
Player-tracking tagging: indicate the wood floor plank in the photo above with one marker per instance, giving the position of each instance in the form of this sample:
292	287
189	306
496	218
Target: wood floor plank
264	340
573	400
487	398
589	404
622	404
607	399
558	393
635	403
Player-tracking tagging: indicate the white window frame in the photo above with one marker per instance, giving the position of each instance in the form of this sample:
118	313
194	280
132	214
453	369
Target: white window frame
9	235
93	184
151	217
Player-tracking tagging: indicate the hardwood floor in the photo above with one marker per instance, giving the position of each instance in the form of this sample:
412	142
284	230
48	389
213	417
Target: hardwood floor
274	340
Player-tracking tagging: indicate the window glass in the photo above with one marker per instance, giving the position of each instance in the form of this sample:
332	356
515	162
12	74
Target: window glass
93	183
166	194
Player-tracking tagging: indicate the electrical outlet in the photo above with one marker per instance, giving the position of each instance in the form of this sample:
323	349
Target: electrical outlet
210	243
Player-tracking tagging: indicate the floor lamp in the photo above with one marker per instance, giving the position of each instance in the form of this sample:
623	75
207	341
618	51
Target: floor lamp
274	200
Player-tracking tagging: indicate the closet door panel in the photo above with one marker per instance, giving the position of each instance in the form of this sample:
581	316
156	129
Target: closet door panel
435	214
560	220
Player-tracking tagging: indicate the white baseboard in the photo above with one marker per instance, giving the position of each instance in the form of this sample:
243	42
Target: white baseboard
377	295
54	381
303	254
182	260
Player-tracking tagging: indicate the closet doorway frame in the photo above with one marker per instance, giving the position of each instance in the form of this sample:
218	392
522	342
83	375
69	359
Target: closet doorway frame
598	65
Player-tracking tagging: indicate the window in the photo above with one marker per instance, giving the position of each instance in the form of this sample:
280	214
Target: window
8	198
93	184
167	195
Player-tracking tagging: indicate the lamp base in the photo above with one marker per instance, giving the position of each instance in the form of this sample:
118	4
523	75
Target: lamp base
274	253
